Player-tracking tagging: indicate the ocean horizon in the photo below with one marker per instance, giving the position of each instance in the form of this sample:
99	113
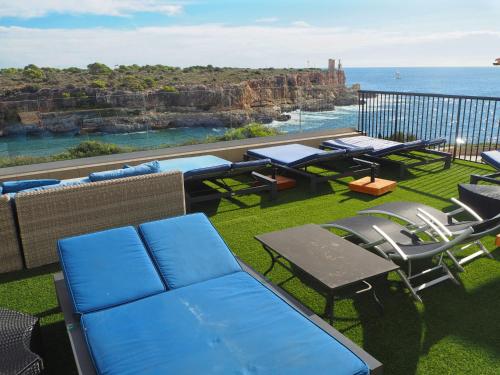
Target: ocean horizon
473	81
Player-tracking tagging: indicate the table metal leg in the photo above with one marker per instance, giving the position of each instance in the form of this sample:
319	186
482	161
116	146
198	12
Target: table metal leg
273	260
329	307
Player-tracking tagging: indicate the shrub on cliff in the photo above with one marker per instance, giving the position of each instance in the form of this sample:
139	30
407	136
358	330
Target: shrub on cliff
168	89
91	148
98	68
253	130
98	83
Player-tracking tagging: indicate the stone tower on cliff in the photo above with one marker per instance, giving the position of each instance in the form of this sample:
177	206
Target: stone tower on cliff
336	75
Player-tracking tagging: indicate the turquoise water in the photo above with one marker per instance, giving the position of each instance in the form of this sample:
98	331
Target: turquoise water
465	81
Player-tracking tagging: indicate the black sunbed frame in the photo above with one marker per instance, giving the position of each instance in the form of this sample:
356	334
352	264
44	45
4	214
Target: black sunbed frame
360	168
407	153
492	178
196	195
83	359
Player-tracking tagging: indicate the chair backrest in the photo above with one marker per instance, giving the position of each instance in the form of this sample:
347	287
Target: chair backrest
45	216
486	227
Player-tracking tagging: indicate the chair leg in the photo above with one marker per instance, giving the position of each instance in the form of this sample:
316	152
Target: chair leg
455	261
407	282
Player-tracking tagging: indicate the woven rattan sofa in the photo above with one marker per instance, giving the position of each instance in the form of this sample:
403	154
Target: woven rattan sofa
47	215
10	253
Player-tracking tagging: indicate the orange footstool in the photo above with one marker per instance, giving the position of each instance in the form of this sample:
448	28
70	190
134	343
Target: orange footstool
377	187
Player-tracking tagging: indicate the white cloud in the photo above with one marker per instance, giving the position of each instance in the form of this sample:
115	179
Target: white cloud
267	20
39	8
300	24
244	46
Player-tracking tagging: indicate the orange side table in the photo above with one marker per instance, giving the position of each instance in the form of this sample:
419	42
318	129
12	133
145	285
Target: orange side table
376	187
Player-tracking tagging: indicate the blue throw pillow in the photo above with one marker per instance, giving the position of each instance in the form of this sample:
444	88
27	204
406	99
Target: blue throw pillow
15	186
146	168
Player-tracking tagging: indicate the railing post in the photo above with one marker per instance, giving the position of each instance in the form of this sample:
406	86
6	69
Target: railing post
458	126
361	122
396	118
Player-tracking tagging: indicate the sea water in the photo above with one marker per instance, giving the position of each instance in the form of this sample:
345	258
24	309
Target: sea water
483	81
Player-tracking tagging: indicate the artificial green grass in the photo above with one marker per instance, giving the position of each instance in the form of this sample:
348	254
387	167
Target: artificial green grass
455	330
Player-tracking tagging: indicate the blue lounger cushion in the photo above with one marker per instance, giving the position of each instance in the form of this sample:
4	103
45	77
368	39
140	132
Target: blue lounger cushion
293	155
380	147
187	250
434	142
190	164
492	158
107	268
251	164
138	170
228	325
19	185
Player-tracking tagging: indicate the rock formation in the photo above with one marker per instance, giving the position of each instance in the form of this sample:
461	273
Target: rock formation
97	110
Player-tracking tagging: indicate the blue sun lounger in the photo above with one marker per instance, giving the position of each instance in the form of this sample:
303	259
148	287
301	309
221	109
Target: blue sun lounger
382	148
173	299
198	169
296	158
491	158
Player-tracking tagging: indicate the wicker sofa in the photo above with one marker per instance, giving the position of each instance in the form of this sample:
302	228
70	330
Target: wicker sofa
10	252
47	215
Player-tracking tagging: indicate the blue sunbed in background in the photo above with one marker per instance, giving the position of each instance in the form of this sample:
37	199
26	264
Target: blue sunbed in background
382	148
491	158
211	168
296	158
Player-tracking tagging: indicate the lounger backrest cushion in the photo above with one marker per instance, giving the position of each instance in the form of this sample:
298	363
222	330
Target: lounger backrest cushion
139	170
108	268
19	185
492	158
251	164
434	142
291	155
187	250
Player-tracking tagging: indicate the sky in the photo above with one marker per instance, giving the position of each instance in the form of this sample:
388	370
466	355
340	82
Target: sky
254	33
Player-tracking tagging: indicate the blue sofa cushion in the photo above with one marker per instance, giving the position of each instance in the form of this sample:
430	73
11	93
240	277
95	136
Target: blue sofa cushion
229	325
187	250
16	186
108	268
142	169
293	155
190	164
492	158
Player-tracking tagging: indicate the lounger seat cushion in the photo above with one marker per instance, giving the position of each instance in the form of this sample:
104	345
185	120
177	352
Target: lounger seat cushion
228	325
187	250
196	165
492	158
293	155
19	185
107	268
138	170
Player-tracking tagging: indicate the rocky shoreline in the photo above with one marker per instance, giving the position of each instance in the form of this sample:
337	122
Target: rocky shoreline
94	110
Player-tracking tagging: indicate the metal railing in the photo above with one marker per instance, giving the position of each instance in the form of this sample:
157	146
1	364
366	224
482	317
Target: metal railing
470	124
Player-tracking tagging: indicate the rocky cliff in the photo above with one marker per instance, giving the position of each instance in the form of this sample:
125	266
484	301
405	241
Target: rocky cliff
84	110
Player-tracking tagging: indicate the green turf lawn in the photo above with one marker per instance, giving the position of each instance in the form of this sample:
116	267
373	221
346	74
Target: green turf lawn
455	330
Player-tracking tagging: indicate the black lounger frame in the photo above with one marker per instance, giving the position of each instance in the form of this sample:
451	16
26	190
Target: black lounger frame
359	168
264	183
83	359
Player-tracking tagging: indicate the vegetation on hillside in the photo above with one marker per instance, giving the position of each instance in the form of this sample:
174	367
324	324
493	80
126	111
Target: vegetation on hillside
127	77
95	148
